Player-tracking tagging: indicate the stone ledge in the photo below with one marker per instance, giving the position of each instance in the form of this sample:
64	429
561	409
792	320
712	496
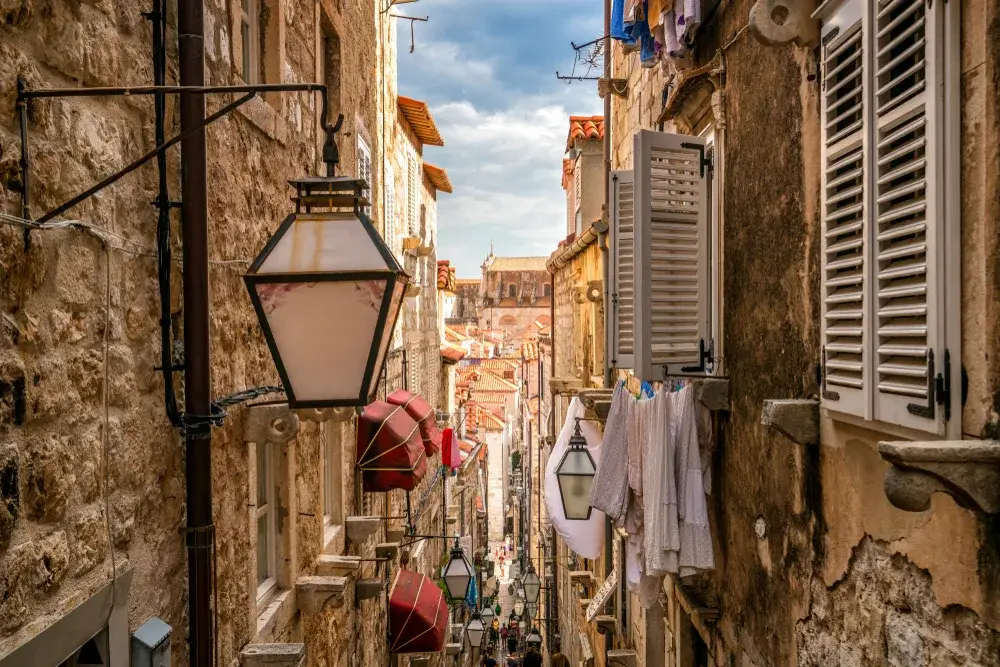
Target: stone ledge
387	550
314	592
622	657
713	393
565	386
607	625
967	470
360	528
453	648
273	655
585	577
796	419
337	566
367	589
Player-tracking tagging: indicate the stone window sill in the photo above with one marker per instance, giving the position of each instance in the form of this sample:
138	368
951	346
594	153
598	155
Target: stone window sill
277	614
333	538
265	118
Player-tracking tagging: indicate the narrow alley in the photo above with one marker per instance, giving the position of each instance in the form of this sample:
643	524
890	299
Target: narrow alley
533	333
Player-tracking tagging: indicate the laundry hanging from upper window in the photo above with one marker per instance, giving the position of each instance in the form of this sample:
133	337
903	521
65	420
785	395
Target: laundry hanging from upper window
663	31
652	480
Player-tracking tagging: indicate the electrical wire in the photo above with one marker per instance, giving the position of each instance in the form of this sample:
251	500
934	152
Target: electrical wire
105	421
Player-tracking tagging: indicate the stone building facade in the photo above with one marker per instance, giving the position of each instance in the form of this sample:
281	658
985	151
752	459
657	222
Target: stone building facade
93	474
816	561
513	293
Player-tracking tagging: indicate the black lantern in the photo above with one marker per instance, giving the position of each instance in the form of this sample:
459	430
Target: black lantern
534	638
474	631
457	574
530	583
327	291
575	474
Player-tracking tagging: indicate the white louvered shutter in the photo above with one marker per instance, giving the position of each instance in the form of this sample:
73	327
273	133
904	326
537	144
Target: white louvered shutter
908	209
845	219
390	209
671	254
621	315
413	192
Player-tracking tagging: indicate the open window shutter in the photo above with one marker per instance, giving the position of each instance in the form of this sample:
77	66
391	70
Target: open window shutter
908	212
845	206
621	314
671	255
413	193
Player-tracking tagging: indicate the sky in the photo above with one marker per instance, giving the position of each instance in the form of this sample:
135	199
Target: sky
487	69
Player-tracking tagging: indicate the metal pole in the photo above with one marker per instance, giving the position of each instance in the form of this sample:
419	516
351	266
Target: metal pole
197	378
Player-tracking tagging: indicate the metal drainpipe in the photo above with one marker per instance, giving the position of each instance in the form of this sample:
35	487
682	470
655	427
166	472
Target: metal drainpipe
608	531
200	531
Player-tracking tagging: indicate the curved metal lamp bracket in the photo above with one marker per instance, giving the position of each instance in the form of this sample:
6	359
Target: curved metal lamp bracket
967	470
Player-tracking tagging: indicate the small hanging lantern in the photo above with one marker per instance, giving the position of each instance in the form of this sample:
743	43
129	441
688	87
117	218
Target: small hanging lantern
474	631
534	638
487	615
575	474
457	574
532	609
327	292
519	607
530	583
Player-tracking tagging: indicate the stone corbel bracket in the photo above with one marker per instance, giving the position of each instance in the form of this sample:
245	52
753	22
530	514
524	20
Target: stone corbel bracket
967	470
338	566
277	423
359	528
796	419
312	593
273	655
777	22
585	577
607	625
565	386
713	393
367	589
453	648
616	87
622	658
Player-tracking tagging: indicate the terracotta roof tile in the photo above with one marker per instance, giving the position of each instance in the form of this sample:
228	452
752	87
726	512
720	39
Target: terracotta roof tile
567	173
518	264
451	353
584	127
419	117
438	177
445	275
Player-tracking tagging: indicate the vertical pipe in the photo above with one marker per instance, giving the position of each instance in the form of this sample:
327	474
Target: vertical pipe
608	532
197	379
22	113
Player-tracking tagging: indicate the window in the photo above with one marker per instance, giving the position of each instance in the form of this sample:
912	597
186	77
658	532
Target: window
390	210
620	322
578	195
413	194
249	16
890	318
547	290
333	488
94	653
266	571
365	169
512	290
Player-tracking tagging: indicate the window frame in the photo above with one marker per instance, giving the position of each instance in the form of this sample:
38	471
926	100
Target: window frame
365	168
333	488
265	458
248	18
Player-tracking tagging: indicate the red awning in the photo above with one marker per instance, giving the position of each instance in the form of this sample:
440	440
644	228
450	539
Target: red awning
390	451
421	411
418	615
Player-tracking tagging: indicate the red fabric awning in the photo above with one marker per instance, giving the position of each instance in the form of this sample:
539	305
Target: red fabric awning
421	411
418	615
390	451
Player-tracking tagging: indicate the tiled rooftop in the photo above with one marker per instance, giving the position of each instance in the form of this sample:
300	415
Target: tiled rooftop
584	127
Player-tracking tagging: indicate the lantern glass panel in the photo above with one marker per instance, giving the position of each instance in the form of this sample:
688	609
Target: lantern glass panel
487	615
457	576
575	475
519	607
533	638
531	583
532	608
324	243
474	631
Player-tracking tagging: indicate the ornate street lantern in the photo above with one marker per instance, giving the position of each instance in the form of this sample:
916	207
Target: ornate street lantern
534	638
532	609
327	291
487	615
457	574
575	474
474	631
530	582
519	607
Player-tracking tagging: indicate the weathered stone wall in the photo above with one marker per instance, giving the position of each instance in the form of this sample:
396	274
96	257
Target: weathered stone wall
71	334
839	571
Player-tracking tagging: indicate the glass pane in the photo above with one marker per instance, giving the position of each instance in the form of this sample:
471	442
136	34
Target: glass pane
323	332
245	46
324	243
262	480
263	550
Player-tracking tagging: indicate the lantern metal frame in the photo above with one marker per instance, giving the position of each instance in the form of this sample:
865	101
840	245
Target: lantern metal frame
531	581
335	193
577	444
457	554
482	630
534	631
487	614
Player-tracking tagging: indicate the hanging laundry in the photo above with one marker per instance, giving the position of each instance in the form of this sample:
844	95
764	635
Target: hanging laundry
609	492
654	12
688	17
618	20
635	11
584	537
661	542
696	537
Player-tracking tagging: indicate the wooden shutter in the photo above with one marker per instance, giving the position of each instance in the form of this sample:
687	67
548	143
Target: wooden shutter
671	254
845	220
413	194
621	314
908	212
